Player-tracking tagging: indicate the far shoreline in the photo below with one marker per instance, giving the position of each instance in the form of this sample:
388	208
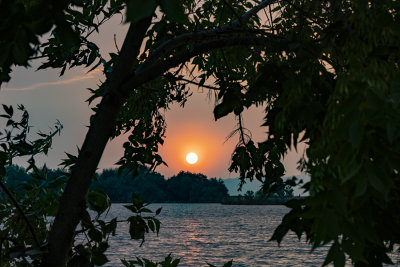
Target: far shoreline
232	200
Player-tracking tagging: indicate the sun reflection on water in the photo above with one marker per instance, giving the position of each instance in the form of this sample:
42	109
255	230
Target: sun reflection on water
213	233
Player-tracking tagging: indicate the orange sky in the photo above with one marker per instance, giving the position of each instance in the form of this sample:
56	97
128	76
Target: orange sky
193	129
188	138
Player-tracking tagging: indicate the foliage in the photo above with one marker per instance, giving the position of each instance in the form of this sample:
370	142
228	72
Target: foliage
24	220
349	81
97	231
167	262
285	192
29	201
70	23
249	194
151	186
279	197
184	187
326	73
195	188
227	264
139	225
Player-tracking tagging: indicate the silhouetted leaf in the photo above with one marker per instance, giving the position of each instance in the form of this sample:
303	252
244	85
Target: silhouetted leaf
174	11
228	264
98	201
99	259
95	235
139	9
158	211
9	110
336	255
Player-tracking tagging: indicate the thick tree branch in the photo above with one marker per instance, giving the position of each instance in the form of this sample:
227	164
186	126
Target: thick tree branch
234	27
144	75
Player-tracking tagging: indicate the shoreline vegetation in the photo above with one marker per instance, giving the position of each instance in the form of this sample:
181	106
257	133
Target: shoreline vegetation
185	187
238	200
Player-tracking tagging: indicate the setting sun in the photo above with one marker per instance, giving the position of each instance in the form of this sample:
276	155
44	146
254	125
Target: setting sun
191	158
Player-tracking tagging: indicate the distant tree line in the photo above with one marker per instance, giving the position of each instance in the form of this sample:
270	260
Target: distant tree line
259	198
185	187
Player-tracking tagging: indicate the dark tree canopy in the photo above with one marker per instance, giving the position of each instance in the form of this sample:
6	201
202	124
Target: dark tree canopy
152	187
195	188
185	187
326	72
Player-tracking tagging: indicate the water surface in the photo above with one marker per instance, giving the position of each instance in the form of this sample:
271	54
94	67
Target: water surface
214	233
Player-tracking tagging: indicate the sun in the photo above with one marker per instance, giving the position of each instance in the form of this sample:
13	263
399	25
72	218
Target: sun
191	158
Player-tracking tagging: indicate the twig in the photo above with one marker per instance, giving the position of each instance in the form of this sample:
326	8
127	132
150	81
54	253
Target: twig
208	8
95	226
220	15
271	18
197	83
99	24
179	69
14	201
37	57
225	60
87	238
233	10
241	128
304	13
115	42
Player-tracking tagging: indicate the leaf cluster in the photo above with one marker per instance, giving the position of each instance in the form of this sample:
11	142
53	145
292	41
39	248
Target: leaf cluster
337	94
29	202
326	73
167	262
26	209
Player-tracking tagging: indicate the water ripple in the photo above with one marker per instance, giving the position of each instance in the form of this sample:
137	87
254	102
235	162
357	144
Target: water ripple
214	233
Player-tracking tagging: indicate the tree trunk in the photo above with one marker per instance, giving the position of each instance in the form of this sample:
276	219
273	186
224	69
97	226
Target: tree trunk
73	200
122	81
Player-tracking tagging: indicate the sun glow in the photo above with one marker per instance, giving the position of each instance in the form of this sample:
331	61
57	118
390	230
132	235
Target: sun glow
191	138
191	158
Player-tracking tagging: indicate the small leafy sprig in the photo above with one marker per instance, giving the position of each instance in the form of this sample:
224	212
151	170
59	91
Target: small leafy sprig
14	141
25	210
167	262
140	225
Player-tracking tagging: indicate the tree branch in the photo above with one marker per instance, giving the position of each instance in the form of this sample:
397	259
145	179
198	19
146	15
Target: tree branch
234	27
240	127
73	201
28	223
196	83
144	75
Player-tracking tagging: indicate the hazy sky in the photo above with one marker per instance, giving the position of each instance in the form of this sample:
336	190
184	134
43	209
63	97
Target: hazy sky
49	97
